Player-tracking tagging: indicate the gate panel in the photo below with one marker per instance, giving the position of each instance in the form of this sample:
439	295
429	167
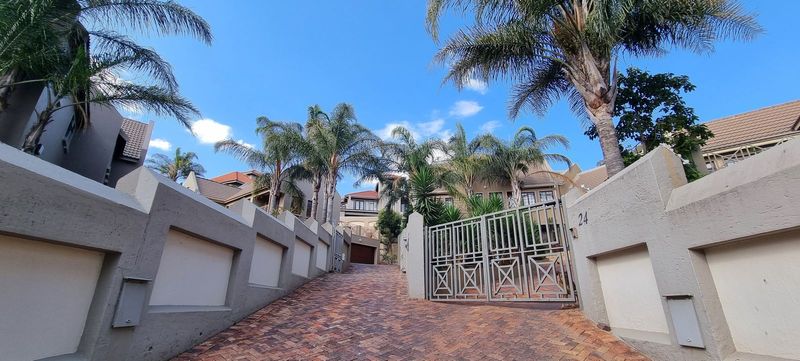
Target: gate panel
519	254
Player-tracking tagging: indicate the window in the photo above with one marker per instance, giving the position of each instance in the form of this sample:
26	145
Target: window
358	204
309	204
546	196
448	200
496	194
65	142
403	207
363	205
528	198
478	195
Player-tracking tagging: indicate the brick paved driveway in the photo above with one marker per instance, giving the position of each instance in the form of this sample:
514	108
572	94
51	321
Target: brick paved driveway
364	314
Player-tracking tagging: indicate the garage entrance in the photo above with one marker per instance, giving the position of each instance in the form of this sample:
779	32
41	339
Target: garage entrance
360	253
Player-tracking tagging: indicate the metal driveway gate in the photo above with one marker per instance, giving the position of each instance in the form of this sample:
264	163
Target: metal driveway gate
518	254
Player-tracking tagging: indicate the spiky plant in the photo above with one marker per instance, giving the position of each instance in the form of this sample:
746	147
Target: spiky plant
555	48
479	206
177	167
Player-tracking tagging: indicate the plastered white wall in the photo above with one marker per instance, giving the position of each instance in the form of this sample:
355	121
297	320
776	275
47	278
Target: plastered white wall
630	291
45	294
192	272
322	256
758	283
266	267
301	259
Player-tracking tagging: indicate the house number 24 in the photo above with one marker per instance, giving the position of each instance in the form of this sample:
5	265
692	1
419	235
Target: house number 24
583	218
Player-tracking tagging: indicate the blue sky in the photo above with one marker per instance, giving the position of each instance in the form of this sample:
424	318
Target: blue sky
277	58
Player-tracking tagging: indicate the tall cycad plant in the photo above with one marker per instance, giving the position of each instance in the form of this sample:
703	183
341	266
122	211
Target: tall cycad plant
178	167
511	160
347	147
554	48
278	161
71	47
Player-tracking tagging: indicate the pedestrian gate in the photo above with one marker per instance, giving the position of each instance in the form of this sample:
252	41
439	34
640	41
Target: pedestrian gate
517	254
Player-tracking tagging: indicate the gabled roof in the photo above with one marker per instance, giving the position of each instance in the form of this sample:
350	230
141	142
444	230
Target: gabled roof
241	177
214	191
591	178
755	126
363	195
136	136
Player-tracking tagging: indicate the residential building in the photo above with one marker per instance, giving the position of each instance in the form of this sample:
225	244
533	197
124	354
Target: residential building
109	148
360	215
740	136
231	187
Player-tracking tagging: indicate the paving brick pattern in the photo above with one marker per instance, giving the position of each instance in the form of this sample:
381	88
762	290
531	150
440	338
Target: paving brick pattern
364	314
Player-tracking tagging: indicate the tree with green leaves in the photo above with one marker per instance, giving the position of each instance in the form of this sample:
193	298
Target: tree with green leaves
390	224
511	160
71	48
555	48
479	206
177	167
278	161
651	111
346	147
314	161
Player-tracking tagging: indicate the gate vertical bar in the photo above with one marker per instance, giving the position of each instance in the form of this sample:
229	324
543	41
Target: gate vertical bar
487	283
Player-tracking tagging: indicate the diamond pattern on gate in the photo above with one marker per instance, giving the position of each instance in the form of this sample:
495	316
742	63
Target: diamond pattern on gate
506	281
470	279
442	273
548	275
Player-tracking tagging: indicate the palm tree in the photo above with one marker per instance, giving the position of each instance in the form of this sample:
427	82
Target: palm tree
279	160
178	167
47	42
347	147
554	48
315	161
510	161
463	166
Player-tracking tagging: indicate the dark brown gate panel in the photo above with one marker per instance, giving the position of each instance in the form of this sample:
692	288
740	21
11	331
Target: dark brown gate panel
362	254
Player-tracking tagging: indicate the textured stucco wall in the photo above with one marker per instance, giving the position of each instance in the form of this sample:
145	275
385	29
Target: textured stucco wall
649	204
129	226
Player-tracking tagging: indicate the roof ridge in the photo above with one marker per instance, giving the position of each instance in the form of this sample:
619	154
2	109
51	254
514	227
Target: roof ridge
733	116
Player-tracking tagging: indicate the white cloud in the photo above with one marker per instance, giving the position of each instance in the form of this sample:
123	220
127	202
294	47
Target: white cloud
490	126
419	130
159	143
465	108
246	144
208	131
476	85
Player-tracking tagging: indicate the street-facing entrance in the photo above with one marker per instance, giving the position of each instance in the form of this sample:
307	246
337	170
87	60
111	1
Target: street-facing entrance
518	254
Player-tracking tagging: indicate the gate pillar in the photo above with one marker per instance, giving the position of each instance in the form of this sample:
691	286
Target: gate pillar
415	259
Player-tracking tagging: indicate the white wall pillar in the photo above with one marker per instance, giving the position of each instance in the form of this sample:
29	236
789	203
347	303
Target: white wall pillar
415	262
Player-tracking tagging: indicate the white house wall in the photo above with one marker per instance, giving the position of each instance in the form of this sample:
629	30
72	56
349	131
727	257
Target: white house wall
758	284
45	294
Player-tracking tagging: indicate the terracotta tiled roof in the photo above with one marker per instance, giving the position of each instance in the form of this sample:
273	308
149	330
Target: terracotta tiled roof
241	177
755	126
135	134
364	195
592	178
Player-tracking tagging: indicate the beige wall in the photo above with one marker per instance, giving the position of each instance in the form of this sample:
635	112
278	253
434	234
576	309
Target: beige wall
192	272
45	294
758	283
265	269
301	259
631	295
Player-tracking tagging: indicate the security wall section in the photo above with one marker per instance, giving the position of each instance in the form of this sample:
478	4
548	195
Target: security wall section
322	256
759	288
46	293
192	272
631	295
266	267
302	258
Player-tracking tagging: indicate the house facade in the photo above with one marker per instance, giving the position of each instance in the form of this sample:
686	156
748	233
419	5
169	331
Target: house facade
109	148
741	136
359	212
231	187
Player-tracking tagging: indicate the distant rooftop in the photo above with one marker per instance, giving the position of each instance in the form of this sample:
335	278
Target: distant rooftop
135	134
363	195
755	126
240	177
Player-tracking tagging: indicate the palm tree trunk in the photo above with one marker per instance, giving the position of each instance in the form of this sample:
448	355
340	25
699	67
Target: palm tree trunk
516	194
5	90
329	187
316	184
609	143
35	134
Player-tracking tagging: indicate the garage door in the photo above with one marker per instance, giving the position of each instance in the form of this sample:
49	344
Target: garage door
362	254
